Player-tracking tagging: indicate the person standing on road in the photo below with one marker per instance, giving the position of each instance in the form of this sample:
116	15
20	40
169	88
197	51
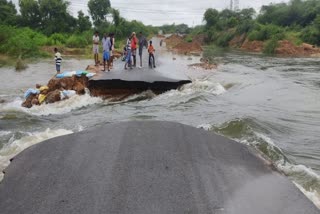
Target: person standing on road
128	56
151	51
112	40
106	44
134	42
142	43
96	40
57	59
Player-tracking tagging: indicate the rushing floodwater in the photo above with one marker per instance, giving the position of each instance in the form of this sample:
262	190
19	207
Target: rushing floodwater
272	104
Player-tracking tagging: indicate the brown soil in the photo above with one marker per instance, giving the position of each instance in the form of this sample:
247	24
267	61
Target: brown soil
237	41
253	46
173	40
286	48
178	44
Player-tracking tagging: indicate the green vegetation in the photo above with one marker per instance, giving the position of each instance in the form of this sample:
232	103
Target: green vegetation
297	21
43	23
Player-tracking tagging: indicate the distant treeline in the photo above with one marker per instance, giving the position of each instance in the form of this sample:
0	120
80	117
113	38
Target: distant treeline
297	21
48	22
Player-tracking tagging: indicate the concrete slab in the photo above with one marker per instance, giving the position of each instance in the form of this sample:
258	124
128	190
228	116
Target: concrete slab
146	167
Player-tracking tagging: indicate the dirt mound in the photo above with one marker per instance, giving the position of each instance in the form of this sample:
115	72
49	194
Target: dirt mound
173	40
178	44
254	46
288	48
285	48
188	47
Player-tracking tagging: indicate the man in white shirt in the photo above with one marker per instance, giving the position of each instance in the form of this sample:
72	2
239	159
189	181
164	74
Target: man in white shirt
96	40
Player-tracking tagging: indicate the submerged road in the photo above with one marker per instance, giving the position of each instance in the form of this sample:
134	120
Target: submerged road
146	167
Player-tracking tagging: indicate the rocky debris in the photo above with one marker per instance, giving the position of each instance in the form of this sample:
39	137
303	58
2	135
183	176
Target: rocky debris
55	90
30	101
53	96
69	83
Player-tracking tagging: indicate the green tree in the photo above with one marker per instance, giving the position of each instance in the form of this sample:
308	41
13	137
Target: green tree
117	19
83	22
55	17
30	13
211	17
8	12
99	9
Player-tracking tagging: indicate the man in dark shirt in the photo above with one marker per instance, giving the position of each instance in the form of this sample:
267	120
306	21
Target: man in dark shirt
142	42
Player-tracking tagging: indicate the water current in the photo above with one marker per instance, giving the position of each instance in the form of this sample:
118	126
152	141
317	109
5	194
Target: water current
272	104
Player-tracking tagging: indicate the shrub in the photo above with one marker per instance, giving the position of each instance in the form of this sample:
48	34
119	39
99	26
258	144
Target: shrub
311	35
23	41
266	32
271	45
56	39
76	42
189	38
224	39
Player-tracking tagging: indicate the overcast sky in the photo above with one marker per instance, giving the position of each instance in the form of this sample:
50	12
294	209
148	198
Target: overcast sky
159	12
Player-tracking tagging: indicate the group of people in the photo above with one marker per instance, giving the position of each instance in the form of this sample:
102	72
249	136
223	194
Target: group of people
130	51
108	42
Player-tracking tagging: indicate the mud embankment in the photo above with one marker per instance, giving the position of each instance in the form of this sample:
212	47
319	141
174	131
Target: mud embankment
178	44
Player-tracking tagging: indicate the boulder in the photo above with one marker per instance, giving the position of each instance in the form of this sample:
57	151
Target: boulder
28	102
53	96
79	88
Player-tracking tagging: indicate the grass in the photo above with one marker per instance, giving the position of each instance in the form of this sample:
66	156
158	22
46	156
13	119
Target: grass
294	37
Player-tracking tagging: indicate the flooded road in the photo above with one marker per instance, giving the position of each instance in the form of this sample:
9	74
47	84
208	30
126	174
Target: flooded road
272	104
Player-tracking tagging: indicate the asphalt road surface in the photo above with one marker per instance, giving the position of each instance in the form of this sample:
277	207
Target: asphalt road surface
146	167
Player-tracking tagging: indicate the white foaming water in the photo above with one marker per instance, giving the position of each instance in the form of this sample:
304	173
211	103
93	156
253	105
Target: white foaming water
295	172
313	195
203	86
61	107
192	89
206	127
299	174
14	147
3	133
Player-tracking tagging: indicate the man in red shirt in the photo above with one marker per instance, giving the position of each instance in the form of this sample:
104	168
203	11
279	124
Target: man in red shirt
134	42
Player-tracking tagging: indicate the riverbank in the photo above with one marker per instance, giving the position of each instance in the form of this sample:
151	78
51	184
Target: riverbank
188	45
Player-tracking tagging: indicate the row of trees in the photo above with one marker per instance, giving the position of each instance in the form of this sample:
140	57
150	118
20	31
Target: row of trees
48	22
52	16
298	20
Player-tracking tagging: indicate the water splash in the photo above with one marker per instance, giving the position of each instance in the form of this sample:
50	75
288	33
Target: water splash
241	130
61	107
15	146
